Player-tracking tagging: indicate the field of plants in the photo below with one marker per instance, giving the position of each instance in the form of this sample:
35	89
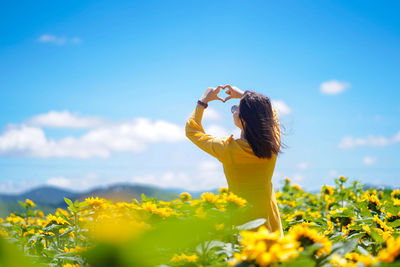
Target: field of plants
342	225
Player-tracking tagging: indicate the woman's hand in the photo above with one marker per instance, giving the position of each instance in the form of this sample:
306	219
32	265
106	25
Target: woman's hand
212	94
233	92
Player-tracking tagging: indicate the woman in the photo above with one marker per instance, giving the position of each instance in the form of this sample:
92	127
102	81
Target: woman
249	161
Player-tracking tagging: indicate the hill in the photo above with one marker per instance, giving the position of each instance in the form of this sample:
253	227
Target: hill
49	198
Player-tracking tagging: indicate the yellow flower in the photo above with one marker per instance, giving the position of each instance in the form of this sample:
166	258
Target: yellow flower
55	220
61	211
287	180
328	190
73	250
266	248
95	202
343	179
373	201
15	219
29	202
307	236
395	195
223	190
30	232
365	259
184	257
185	196
331	226
366	228
71	265
298	215
391	252
162	211
232	198
209	197
382	224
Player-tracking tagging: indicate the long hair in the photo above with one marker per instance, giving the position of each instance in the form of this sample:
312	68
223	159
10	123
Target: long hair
261	130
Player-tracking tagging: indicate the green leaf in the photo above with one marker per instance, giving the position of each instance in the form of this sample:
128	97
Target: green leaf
22	204
52	227
342	248
252	224
68	201
83	204
362	250
72	209
396	223
208	245
377	237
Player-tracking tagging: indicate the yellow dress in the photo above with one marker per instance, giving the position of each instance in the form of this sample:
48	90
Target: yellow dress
247	175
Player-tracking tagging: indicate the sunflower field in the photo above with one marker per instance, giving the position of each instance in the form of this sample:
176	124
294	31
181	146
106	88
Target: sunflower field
342	225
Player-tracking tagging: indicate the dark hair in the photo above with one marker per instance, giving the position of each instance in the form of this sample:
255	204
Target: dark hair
259	127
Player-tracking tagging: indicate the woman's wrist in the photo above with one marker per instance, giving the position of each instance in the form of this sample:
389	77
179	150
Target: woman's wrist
202	104
204	100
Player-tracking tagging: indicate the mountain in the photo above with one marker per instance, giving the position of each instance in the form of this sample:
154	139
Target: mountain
126	192
44	194
48	198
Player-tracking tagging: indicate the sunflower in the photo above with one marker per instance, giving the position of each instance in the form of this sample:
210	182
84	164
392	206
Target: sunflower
392	251
373	201
51	219
95	202
232	198
223	190
367	260
327	190
29	203
395	195
265	248
185	196
307	237
184	257
209	197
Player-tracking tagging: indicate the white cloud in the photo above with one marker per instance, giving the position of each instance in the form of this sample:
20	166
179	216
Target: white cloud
59	182
217	130
17	187
207	175
369	160
129	136
333	173
64	119
303	165
58	40
211	114
298	178
333	87
281	107
86	182
372	141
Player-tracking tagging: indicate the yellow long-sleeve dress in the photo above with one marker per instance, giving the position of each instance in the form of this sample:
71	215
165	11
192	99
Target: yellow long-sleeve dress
247	175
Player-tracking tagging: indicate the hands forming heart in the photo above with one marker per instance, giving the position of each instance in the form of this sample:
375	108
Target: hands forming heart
212	93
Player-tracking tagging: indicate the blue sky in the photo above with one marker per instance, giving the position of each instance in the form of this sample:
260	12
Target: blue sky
97	92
